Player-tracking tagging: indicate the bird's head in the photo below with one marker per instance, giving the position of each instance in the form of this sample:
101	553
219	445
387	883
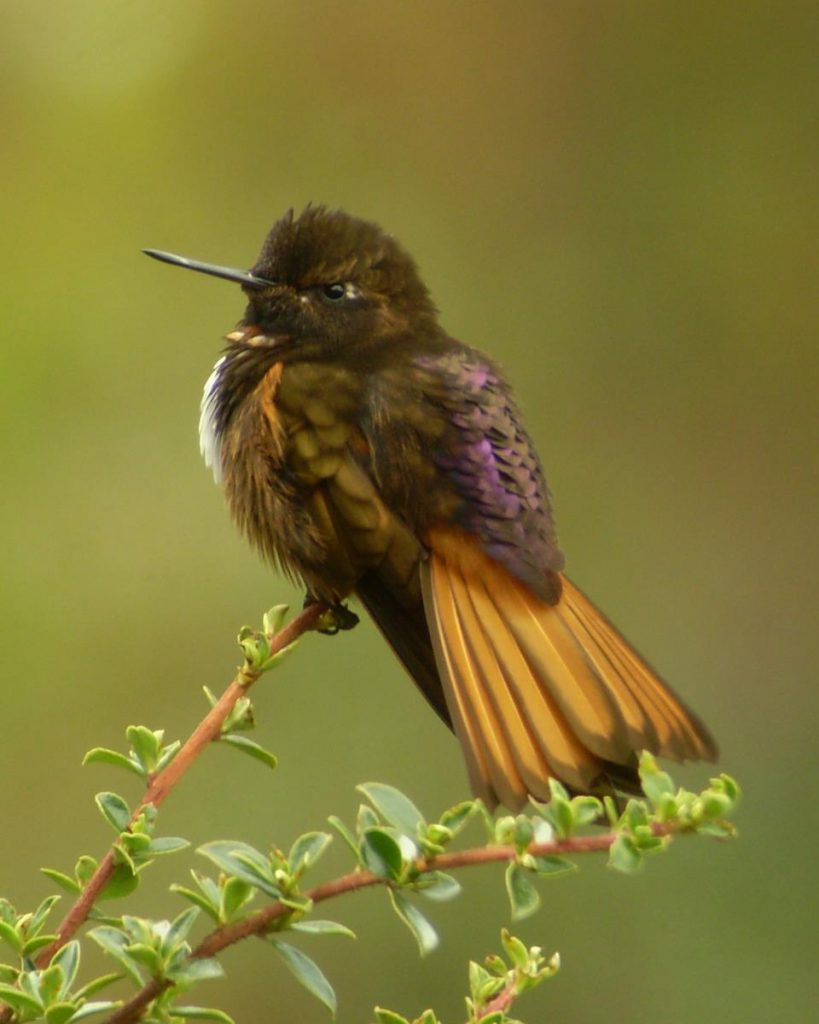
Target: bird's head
324	283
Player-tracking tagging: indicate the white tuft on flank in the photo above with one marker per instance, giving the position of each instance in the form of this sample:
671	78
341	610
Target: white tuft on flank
209	442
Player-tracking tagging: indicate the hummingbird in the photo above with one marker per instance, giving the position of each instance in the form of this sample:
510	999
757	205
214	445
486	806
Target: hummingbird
365	452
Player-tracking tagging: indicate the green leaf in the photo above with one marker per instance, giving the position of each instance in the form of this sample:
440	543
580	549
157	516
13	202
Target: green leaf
209	897
504	833
299	903
122	882
307	972
345	834
102	755
262	879
273	619
64	881
85	868
381	854
366	818
199	900
551	865
316	927
50	983
251	748
667	808
148	957
135	844
422	931
586	809
90	1009
167	755
557	790
394	807
166	844
145	820
9	934
559	810
636	813
178	931
524	833
523	897
28	982
40	914
456	817
31	946
191	971
306	850
610	808
202	1013
715	804
543	831
96	985
624	856
146	745
243	861
434	838
19	1000
435	885
115	811
646	841
388	1017
717	829
208	887
656	784
240	718
516	951
490	988
139	929
60	1013
235	894
727	785
114	942
496	964
225	853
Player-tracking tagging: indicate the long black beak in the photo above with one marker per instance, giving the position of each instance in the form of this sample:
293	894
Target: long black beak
243	277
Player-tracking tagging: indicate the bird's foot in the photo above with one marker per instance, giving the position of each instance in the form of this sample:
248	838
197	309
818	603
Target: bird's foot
338	617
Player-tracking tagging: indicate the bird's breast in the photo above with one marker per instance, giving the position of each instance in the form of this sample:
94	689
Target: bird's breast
294	464
316	406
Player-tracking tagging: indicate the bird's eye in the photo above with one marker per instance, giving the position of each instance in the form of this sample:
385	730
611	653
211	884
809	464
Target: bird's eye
338	291
334	292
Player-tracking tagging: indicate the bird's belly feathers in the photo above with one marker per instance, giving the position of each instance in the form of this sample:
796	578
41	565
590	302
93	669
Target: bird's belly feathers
292	461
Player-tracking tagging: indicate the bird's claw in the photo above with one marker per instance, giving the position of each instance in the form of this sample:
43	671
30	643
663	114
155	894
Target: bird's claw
338	617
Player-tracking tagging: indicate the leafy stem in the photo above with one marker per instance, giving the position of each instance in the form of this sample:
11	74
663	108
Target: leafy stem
393	846
163	782
263	921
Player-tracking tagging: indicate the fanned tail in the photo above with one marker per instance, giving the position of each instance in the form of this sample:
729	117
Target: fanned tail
538	690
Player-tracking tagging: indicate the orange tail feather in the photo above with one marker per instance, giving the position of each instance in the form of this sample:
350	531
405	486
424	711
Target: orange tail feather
540	690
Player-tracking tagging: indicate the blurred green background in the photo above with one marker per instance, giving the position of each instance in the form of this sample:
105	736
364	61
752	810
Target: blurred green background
615	200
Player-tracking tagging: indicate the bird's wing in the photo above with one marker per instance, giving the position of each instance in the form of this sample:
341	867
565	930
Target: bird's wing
537	682
448	446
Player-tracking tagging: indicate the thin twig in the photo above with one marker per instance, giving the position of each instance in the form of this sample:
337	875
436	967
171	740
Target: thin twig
262	921
162	783
502	1001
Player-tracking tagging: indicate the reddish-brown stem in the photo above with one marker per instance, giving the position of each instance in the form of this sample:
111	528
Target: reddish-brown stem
502	1001
263	920
161	784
